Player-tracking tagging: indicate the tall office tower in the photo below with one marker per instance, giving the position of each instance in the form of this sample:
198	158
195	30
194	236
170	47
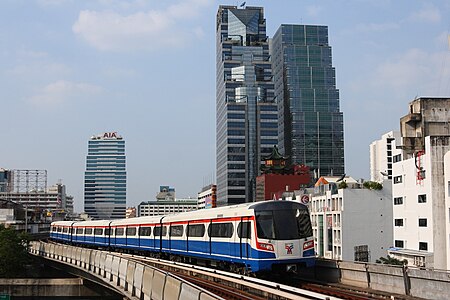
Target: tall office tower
246	124
105	179
311	129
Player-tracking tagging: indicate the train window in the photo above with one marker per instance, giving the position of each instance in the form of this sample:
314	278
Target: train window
59	229
145	231
224	230
98	231
131	231
157	231
107	231
79	231
176	230
119	231
283	224
196	230
88	231
244	230
264	225
65	230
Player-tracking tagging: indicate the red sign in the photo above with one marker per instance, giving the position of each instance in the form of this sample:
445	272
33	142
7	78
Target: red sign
304	199
110	135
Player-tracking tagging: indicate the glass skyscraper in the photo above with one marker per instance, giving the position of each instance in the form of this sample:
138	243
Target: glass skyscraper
246	112
311	129
105	179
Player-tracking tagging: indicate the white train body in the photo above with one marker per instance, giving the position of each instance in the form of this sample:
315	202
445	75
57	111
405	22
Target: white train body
261	236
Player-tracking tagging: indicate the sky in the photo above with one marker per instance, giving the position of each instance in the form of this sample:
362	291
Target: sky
70	69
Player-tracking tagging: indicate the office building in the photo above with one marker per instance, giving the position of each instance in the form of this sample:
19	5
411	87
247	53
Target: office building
246	112
352	223
381	157
421	185
105	177
311	130
207	197
166	207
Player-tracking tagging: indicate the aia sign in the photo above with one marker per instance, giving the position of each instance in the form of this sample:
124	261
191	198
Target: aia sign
110	135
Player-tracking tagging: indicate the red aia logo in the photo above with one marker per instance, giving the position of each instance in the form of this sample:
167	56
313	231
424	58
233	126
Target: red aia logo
289	248
110	135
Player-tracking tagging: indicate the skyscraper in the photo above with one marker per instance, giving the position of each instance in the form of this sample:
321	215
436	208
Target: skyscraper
246	116
311	130
105	179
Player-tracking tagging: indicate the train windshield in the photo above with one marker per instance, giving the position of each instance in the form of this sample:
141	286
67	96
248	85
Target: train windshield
286	224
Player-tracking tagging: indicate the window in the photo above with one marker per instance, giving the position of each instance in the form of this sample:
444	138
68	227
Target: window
197	230
59	229
65	229
176	230
397	158
398	200
131	231
145	231
399	244
422	198
244	230
157	231
398	179
422	222
107	231
79	231
224	230
98	231
398	222
423	246
88	231
119	231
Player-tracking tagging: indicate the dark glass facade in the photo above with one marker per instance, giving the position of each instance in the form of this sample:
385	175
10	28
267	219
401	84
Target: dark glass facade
105	178
246	113
311	129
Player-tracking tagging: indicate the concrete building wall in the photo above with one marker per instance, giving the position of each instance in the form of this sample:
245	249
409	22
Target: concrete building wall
352	217
381	156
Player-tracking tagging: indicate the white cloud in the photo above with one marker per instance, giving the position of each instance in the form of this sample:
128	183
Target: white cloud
313	10
415	71
429	14
113	31
62	91
38	69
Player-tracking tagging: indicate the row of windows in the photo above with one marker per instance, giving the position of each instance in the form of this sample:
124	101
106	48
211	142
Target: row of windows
225	230
401	244
400	222
420	199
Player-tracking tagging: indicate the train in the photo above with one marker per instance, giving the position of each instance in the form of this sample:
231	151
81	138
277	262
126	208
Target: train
257	237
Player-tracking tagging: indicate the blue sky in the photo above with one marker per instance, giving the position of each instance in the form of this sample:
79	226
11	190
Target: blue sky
146	69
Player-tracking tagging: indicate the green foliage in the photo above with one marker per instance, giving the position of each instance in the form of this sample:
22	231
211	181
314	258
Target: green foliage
13	252
372	185
342	185
391	261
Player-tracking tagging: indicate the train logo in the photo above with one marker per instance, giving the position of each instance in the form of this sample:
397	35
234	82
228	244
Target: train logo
289	247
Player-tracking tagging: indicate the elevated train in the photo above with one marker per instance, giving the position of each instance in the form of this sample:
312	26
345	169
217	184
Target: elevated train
251	237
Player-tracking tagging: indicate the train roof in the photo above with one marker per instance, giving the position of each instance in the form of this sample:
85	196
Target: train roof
137	220
94	223
62	223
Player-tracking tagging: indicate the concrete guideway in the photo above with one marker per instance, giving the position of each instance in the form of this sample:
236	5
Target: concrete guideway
132	279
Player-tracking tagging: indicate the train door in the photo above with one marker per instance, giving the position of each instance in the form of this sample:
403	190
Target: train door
244	236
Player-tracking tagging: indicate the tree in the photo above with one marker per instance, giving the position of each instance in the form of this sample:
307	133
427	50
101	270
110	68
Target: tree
13	252
391	261
342	185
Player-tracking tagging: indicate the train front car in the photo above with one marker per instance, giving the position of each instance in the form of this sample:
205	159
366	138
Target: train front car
284	238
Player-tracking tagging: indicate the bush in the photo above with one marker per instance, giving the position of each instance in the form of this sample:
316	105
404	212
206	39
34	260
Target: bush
372	185
391	261
342	185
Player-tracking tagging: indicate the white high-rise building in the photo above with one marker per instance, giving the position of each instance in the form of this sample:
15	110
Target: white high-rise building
381	157
421	185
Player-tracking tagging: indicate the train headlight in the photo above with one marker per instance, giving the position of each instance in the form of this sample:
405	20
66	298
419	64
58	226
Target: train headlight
264	246
308	245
